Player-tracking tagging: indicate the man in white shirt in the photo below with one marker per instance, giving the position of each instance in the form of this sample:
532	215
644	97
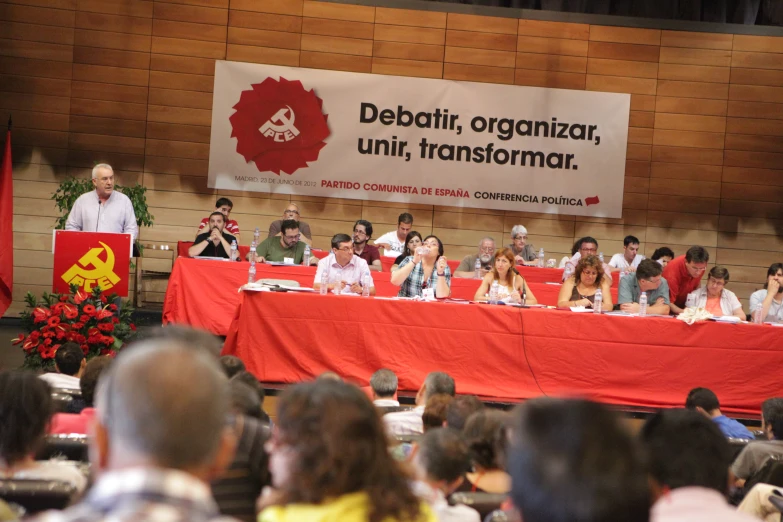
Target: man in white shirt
407	423
629	259
69	363
440	461
770	299
393	243
689	459
383	384
345	271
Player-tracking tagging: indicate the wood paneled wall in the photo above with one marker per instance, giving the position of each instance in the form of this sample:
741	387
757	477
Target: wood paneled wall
129	82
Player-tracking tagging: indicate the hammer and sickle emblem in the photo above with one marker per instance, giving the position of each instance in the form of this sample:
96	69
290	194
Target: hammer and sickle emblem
102	272
285	131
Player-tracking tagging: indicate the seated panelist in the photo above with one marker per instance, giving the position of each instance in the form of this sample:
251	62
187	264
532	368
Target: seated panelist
343	268
286	246
223	205
647	280
580	288
425	269
715	298
511	285
215	242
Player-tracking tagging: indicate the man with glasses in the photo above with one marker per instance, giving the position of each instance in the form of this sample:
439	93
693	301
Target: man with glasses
684	274
524	252
344	269
648	280
291	212
362	233
587	246
284	249
467	267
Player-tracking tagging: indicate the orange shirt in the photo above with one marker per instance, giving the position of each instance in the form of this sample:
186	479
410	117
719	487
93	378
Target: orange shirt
680	281
713	306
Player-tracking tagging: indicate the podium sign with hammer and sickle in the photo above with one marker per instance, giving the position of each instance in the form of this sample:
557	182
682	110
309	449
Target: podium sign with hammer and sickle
91	271
285	130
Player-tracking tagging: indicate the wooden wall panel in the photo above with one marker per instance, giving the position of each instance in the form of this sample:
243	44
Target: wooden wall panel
130	82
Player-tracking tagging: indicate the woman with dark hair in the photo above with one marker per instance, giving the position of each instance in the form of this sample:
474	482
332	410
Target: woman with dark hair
425	269
511	285
484	433
580	289
412	242
715	298
329	461
26	408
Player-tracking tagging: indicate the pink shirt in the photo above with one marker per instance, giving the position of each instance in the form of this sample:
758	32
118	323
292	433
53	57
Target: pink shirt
65	423
351	273
695	503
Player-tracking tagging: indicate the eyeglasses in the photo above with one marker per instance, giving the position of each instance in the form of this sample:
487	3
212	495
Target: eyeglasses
345	249
487	249
359	233
519	237
585	249
292	212
293	238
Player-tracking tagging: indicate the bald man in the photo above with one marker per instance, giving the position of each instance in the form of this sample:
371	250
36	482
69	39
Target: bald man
291	212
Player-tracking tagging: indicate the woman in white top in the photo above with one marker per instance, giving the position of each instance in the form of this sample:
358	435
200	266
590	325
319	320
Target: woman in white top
715	298
511	285
24	418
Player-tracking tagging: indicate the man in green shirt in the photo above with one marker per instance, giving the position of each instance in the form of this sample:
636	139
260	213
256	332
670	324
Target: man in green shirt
285	246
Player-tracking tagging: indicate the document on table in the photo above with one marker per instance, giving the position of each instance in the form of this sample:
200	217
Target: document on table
581	309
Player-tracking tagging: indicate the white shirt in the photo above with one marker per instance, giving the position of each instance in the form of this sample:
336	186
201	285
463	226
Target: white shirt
619	261
728	300
386	403
404	423
395	245
114	215
440	506
775	313
61	470
60	380
695	503
353	272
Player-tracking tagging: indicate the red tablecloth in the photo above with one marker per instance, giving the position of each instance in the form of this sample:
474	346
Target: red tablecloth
504	352
193	279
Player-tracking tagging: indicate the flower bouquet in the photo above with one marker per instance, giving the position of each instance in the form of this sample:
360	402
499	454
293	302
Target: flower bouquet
90	320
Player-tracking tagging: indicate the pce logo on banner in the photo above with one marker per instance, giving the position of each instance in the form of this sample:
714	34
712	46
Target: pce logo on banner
91	259
279	126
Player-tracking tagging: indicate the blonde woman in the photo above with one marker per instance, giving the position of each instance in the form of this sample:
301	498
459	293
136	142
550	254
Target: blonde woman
511	285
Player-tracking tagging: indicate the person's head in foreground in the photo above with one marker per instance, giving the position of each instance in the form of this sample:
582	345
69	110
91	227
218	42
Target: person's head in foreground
69	359
329	449
772	418
442	459
383	384
25	411
571	460
435	383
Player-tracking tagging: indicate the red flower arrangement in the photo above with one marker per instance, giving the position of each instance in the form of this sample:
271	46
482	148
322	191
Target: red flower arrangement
80	317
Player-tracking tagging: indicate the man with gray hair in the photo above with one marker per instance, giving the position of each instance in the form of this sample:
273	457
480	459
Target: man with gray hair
467	267
104	209
407	423
161	436
524	252
384	386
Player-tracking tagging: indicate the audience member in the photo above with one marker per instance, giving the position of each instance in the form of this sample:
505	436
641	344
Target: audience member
160	436
362	233
467	267
215	242
250	379
512	287
412	242
524	252
244	399
757	503
329	375
684	275
69	363
64	423
770	299
580	289
288	248
440	462
630	257
25	411
329	461
406	423
586	246
104	209
663	255
224	206
291	213
706	402
573	460
462	407
484	432
344	271
394	241
201	340
715	298
434	415
231	365
688	457
648	280
753	456
426	269
384	388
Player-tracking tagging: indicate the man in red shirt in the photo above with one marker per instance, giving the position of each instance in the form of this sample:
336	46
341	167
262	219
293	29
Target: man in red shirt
684	274
362	233
224	206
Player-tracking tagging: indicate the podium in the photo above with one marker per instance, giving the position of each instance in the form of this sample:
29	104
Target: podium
90	259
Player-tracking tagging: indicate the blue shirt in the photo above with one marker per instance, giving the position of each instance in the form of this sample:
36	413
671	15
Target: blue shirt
732	428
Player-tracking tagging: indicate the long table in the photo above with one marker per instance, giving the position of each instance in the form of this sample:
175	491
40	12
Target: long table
504	352
203	292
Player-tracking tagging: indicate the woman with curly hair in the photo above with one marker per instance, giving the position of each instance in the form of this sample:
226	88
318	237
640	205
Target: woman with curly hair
485	434
580	289
329	461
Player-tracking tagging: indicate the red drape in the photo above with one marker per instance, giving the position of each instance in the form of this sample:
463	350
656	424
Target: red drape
6	228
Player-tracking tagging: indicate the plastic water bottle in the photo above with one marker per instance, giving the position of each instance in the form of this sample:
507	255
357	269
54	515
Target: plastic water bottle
493	293
478	269
598	301
541	258
568	271
324	283
366	285
643	305
251	272
601	257
252	254
306	257
234	251
256	235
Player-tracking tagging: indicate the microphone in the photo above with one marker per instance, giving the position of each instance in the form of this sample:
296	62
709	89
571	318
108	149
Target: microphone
524	292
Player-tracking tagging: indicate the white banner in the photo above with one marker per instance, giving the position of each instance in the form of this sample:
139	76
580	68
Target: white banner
389	138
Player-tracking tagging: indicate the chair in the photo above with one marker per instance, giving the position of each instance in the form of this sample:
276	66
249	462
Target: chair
36	495
72	447
737	445
392	409
62	401
484	503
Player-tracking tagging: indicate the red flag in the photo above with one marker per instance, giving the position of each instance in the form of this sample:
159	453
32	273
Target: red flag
6	227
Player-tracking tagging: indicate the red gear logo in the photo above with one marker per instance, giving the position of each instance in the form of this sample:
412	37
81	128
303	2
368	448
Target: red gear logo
279	126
